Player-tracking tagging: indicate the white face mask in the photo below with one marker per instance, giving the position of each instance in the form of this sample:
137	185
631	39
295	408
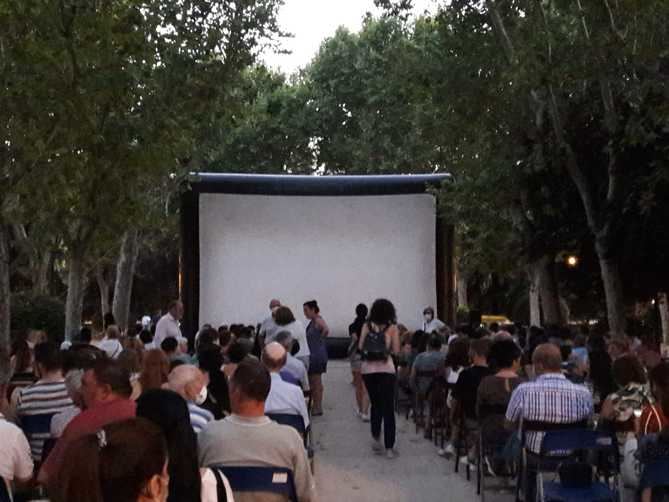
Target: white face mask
202	396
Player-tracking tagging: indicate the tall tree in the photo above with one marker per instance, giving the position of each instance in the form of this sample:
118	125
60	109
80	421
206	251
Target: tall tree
127	83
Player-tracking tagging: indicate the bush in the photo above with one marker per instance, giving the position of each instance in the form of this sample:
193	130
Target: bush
41	313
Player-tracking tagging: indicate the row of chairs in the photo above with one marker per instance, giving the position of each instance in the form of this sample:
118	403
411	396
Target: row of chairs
593	453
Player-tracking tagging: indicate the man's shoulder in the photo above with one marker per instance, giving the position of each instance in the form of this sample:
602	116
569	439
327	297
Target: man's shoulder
9	430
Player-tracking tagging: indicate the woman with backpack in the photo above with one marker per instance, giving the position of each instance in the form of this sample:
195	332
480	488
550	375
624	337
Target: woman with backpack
380	339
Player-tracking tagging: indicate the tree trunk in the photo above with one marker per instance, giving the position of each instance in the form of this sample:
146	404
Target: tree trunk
40	272
104	286
76	285
548	292
125	273
535	306
462	289
613	290
5	292
663	306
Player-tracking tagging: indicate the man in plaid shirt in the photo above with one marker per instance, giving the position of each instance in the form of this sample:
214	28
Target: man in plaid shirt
550	398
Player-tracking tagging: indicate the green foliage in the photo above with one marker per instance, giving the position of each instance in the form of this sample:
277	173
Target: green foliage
266	128
42	313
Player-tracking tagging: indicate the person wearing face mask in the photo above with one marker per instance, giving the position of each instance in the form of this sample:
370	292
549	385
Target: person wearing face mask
123	462
430	323
191	383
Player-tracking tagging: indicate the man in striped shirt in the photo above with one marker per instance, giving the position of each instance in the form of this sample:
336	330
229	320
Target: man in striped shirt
39	402
191	384
550	398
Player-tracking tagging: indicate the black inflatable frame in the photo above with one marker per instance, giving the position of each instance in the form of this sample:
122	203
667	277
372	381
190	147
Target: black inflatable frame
260	184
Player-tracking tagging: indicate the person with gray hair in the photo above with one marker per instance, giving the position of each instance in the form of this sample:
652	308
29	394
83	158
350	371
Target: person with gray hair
284	398
191	383
16	463
293	365
60	421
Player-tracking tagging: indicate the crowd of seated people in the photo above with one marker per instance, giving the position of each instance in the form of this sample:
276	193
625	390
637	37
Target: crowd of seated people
618	385
113	417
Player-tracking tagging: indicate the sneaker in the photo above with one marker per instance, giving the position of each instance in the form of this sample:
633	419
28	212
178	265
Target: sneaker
464	460
449	451
488	465
377	447
365	417
391	453
357	413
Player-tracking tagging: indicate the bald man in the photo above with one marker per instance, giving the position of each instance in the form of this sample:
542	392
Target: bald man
191	384
550	397
284	397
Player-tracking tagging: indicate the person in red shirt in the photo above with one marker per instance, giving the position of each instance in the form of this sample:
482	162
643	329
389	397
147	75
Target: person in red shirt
106	391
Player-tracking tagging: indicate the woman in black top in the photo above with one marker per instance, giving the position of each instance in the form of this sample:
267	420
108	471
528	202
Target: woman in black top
354	330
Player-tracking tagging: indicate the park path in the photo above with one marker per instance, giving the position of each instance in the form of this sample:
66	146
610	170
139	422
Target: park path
347	471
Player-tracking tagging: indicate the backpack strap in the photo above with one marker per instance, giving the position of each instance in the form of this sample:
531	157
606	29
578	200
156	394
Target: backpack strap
221	492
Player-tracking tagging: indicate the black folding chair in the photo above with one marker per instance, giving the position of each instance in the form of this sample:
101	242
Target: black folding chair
420	397
244	479
655	476
492	443
5	496
562	443
297	423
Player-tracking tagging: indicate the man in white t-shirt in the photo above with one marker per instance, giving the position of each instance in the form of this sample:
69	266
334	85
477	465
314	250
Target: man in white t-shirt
16	463
268	326
168	325
430	323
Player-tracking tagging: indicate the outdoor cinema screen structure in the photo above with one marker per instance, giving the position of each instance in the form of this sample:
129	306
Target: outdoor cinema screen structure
340	240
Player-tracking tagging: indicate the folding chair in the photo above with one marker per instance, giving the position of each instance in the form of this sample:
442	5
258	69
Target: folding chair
576	443
525	455
462	442
421	397
278	480
5	495
403	398
492	443
438	418
655	475
297	423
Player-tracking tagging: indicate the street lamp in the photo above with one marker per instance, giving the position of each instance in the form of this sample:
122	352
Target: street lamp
572	261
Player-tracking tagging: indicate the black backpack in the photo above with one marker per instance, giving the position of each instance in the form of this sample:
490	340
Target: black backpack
374	347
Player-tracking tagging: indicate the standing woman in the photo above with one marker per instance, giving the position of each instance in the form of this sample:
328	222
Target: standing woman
378	341
354	331
317	331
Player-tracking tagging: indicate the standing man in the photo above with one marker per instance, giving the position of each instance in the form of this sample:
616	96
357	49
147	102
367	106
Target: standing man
168	325
430	323
268	326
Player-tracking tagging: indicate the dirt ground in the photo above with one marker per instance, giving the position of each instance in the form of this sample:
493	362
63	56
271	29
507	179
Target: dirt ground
347	471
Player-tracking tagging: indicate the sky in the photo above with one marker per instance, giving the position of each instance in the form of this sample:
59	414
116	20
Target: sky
312	21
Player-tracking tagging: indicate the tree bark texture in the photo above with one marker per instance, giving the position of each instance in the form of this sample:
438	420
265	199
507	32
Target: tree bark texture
104	286
125	273
535	305
462	290
5	293
76	285
663	306
548	292
613	289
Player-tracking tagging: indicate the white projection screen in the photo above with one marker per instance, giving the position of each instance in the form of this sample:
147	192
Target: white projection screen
339	244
